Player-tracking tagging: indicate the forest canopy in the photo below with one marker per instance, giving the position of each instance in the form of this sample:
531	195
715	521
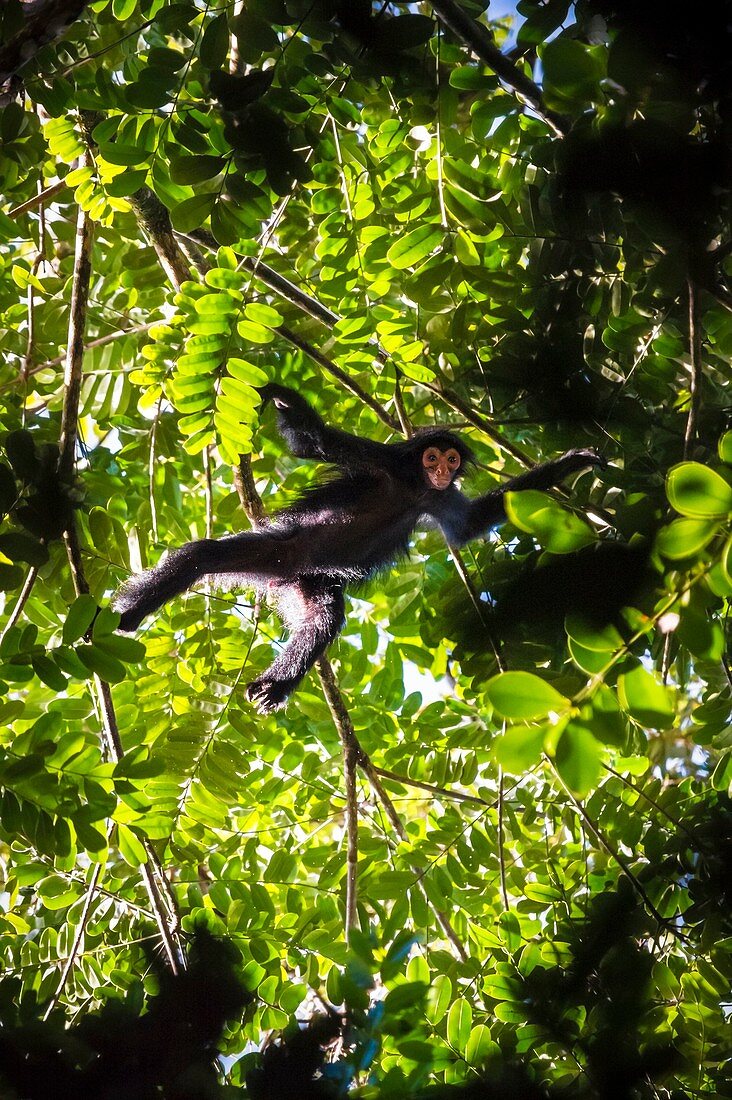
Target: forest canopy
485	851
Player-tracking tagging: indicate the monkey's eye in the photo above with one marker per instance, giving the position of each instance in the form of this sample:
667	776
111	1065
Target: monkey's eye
453	458
430	458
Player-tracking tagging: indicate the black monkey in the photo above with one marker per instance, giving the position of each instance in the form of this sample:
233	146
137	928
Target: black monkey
338	533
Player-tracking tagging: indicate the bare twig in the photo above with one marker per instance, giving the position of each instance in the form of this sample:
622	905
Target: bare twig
78	938
695	356
501	858
664	922
432	788
67	455
479	40
20	603
38	200
346	381
453	401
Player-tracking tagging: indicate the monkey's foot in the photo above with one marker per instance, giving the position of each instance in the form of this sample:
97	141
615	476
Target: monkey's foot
269	695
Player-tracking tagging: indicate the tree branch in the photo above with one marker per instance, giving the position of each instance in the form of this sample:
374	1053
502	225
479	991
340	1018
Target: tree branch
346	381
602	840
67	455
695	356
352	756
344	725
432	788
20	603
456	403
78	937
479	39
155	221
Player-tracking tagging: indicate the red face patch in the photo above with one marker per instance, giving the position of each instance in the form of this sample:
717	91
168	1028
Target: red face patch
440	467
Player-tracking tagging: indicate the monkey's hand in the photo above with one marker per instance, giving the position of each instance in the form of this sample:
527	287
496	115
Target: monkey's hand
581	458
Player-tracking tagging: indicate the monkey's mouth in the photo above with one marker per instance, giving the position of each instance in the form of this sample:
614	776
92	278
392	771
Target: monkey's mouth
438	482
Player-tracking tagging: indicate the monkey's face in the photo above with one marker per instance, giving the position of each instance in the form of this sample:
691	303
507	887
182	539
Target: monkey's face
440	467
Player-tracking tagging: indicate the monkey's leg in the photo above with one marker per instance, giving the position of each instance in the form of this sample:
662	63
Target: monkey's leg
251	557
313	609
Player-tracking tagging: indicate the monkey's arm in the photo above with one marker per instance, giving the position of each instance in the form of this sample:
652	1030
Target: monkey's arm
468	519
308	436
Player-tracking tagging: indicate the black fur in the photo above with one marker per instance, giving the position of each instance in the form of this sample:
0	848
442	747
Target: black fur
339	532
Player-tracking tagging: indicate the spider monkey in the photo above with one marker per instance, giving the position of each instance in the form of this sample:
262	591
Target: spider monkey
339	533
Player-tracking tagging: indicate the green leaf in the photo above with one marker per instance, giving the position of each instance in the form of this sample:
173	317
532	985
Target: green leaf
79	618
725	448
603	638
127	155
215	43
184	169
124	649
578	759
192	213
438	998
459	1024
520	747
521	696
695	490
404	996
415	246
683	538
645	699
572	72
480	1047
557	529
20	547
406	31
101	663
130	846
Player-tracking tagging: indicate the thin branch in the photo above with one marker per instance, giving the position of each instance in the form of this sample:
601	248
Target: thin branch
66	463
664	922
286	289
78	938
453	401
346	381
501	857
695	355
652	802
432	788
479	39
271	278
347	733
98	342
399	406
38	200
20	603
352	755
75	348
